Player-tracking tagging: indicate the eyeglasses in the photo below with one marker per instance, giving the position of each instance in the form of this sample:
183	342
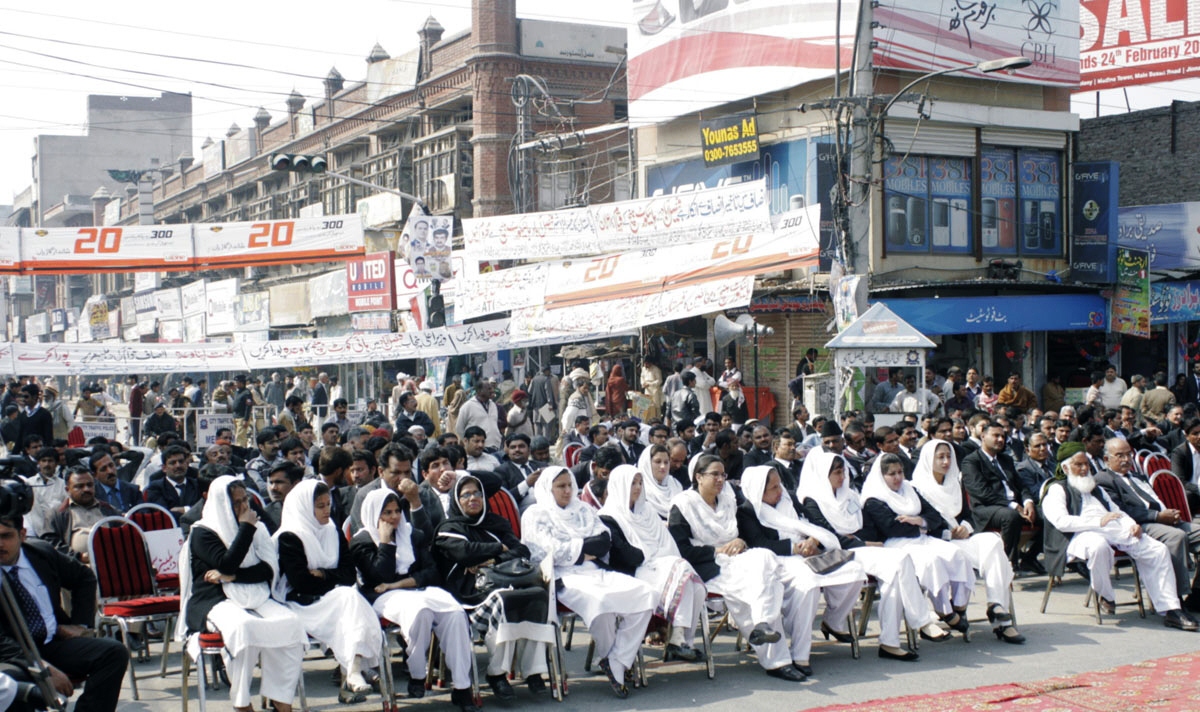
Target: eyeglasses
471	495
716	475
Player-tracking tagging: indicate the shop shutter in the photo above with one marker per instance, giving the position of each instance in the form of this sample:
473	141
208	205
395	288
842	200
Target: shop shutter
1023	138
930	139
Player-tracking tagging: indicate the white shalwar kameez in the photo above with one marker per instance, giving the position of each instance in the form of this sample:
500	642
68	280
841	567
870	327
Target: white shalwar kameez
681	591
341	619
616	608
985	550
1094	544
944	570
420	612
253	627
897	587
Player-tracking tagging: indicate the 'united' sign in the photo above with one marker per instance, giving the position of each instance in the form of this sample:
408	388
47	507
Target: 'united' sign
370	283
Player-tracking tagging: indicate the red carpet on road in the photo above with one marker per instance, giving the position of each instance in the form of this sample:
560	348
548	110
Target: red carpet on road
1164	685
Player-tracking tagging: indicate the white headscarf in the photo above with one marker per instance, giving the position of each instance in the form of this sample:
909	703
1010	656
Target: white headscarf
782	517
904	501
946	497
842	509
218	518
577	519
640	524
710	527
658	495
320	540
372	508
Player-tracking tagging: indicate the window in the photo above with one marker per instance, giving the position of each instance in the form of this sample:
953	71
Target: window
927	204
1021	209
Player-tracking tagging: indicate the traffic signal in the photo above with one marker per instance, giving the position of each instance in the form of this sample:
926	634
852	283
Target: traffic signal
297	162
436	307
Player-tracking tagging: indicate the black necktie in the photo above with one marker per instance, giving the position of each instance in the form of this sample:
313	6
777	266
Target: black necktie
29	607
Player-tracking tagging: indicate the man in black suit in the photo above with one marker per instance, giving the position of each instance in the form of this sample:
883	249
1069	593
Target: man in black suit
1134	495
785	461
1191	386
1037	466
333	464
760	450
631	449
1185	463
110	488
37	575
175	490
998	497
519	473
598	435
606	460
888	441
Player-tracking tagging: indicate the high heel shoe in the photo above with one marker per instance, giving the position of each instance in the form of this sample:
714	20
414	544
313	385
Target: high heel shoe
839	637
997	614
1009	634
908	656
958	622
941	638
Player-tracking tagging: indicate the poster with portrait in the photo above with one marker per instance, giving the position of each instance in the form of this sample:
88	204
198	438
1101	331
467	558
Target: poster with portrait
427	241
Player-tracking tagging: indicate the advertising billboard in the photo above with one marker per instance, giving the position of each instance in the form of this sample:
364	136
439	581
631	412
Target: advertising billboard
1128	42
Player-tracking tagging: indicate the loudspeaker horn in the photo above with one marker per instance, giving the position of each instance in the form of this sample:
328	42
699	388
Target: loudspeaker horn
726	331
751	328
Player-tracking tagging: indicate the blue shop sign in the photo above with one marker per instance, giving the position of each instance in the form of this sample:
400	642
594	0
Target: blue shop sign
979	315
1168	232
1172	302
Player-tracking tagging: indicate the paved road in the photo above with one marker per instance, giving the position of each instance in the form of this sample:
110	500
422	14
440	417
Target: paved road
1062	641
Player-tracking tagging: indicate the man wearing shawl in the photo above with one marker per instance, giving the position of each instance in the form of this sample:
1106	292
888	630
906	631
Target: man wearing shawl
1083	523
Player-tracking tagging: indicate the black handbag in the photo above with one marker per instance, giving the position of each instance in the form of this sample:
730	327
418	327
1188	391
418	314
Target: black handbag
829	561
511	573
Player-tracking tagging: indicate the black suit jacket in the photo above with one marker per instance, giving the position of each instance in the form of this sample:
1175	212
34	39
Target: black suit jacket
1123	496
1190	393
57	572
162	491
1181	463
984	484
1033	475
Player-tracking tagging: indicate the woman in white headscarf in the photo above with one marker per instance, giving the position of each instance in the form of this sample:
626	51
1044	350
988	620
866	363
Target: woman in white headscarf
896	514
830	502
226	585
642	547
703	523
658	485
939	482
616	608
767	519
397	574
318	580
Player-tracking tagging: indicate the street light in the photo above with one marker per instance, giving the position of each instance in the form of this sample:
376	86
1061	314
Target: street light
987	67
857	210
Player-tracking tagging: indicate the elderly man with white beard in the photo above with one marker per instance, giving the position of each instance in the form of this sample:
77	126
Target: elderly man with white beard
1082	523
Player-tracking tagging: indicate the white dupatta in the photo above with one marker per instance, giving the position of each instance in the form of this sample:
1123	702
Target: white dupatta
372	508
904	501
947	497
658	495
782	517
320	541
710	526
639	523
842	509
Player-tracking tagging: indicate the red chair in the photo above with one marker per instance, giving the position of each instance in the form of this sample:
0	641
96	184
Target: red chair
1169	489
502	503
1155	462
128	593
571	454
211	645
152	518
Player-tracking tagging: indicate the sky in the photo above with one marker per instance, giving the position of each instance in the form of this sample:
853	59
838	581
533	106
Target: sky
53	54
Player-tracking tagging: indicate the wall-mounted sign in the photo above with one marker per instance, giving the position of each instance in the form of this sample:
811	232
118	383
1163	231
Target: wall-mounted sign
729	139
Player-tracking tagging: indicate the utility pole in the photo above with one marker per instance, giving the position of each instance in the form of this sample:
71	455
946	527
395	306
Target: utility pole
862	144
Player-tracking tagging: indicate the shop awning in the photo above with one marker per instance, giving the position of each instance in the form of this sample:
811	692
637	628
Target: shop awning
980	315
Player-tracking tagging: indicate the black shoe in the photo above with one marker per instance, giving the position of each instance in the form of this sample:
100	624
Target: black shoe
1179	619
761	635
805	670
996	614
416	688
618	687
536	684
346	696
500	687
1191	603
839	637
907	657
957	622
1009	634
464	700
789	673
1107	607
685	653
